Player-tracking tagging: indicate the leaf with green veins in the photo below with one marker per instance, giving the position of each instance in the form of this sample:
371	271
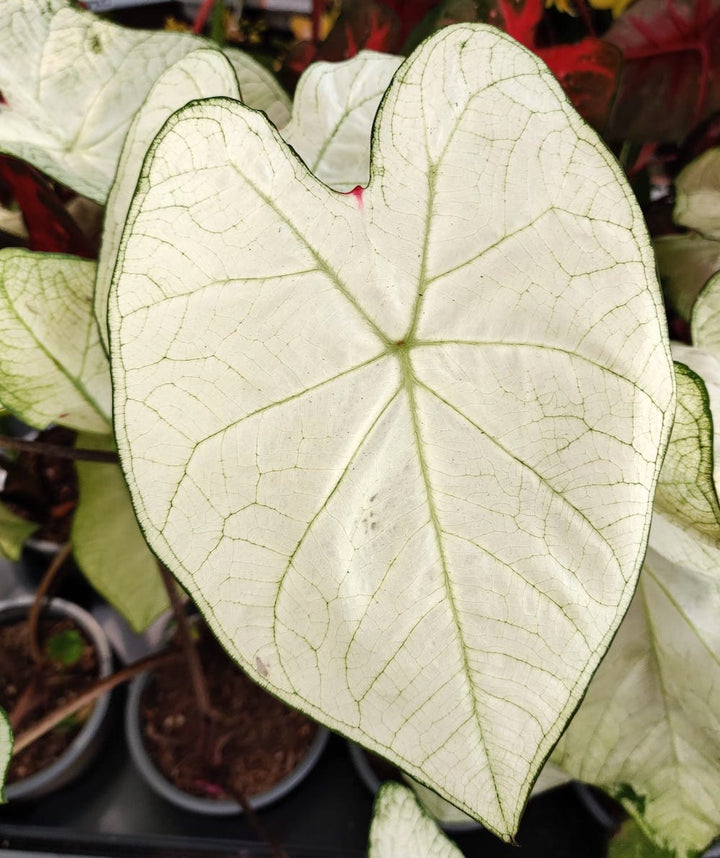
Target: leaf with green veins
648	730
400	827
400	447
685	264
52	366
705	318
697	195
6	746
66	647
686	492
108	545
200	74
73	83
14	530
630	842
333	111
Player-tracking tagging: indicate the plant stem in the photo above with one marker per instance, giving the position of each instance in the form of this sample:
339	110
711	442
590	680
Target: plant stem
90	696
42	448
253	820
38	602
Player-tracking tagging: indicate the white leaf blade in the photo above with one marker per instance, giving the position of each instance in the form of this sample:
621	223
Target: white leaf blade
333	111
311	576
705	318
260	89
686	263
400	827
200	74
697	195
52	366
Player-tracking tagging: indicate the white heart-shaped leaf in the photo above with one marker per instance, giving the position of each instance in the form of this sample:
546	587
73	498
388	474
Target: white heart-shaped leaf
6	746
648	730
73	83
697	195
401	446
686	263
332	116
108	545
400	827
14	530
52	366
200	74
705	318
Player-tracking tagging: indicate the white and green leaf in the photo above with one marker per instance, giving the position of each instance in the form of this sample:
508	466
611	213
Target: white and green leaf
705	318
685	263
108	545
630	842
73	83
401	446
52	366
6	746
14	530
332	116
697	195
400	827
200	74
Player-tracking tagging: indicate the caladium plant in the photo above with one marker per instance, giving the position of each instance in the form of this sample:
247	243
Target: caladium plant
6	744
401	444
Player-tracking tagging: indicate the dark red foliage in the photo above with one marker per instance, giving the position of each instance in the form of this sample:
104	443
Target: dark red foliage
671	77
49	225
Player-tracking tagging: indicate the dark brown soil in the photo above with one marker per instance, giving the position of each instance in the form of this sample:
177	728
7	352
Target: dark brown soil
36	690
258	741
44	489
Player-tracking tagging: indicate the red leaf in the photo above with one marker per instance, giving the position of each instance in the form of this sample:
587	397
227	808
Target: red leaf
519	19
409	14
671	77
49	225
588	72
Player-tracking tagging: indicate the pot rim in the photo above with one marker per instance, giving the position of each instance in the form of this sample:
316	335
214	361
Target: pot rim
196	804
45	779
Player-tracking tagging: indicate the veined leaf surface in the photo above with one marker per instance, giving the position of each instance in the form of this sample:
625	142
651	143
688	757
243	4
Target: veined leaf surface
6	746
200	74
400	446
52	366
400	827
333	111
73	83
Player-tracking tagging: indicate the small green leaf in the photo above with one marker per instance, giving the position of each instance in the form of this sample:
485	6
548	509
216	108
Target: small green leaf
14	530
401	828
66	647
6	746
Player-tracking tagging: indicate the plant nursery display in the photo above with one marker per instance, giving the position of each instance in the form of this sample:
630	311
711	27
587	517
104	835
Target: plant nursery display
383	378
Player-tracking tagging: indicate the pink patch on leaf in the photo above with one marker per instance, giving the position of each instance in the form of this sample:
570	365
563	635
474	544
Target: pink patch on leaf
356	192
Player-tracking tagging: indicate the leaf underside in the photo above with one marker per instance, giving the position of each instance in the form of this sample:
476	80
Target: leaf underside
400	445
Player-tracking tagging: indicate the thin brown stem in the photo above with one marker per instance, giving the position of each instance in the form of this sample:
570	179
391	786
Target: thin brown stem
27	737
43	448
39	601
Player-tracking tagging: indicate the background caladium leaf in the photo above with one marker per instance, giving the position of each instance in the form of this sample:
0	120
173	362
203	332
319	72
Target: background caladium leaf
400	827
648	730
400	446
108	545
685	263
697	195
631	842
705	318
200	74
333	111
6	746
671	68
52	367
73	82
14	530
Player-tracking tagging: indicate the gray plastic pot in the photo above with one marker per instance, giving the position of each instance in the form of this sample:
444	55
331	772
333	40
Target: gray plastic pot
193	803
89	740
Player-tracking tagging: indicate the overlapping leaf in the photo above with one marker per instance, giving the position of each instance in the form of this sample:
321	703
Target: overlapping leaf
6	745
73	83
14	530
400	827
686	263
697	195
400	446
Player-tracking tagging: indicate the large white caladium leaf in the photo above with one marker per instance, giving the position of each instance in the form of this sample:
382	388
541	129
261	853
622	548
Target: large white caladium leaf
648	730
400	827
400	446
52	367
6	746
333	111
200	74
73	83
697	195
